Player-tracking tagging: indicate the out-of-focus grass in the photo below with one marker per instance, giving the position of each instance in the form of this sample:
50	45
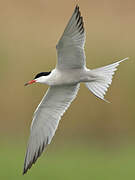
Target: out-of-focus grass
71	162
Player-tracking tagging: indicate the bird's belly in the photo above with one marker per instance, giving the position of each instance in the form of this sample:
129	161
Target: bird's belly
64	77
64	80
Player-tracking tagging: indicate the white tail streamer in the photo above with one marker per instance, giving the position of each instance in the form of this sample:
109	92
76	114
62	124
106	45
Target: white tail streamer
99	87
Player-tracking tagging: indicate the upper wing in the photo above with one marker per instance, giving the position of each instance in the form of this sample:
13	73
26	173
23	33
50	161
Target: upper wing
70	47
46	119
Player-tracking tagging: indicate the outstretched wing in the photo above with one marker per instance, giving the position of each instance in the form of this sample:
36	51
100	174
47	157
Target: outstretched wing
70	47
46	119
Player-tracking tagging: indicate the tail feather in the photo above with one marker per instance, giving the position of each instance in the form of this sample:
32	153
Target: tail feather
100	86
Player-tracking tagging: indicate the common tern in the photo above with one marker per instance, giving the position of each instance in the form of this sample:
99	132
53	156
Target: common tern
64	82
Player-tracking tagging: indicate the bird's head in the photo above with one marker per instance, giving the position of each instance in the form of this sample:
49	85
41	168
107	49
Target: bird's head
40	77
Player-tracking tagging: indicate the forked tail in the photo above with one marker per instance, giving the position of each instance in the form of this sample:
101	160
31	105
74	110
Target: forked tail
99	87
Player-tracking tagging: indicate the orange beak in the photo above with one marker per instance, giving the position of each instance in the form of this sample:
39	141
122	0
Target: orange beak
30	82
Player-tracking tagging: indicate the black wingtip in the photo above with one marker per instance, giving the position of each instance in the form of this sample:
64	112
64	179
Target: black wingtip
77	8
35	157
24	171
79	18
27	168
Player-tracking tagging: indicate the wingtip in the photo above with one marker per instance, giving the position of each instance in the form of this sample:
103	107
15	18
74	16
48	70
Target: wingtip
25	169
76	7
24	172
79	19
37	154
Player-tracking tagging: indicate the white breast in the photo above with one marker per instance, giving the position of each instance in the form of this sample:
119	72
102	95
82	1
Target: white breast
60	77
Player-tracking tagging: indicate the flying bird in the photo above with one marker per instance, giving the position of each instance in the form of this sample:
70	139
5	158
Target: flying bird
64	82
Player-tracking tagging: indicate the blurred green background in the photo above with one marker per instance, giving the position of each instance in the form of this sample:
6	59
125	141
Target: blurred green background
95	140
